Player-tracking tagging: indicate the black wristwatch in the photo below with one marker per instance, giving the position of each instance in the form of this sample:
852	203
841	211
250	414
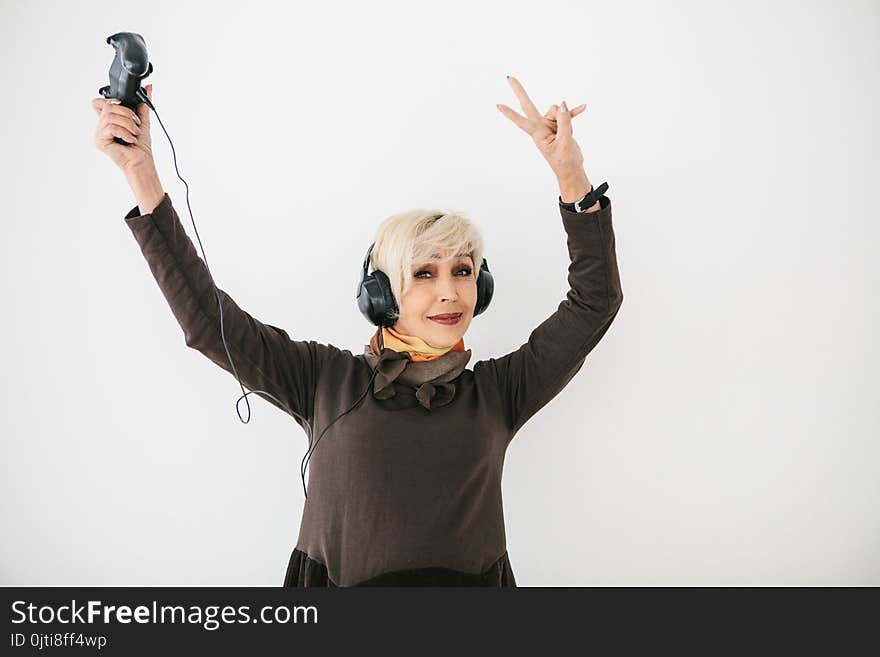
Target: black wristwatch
587	201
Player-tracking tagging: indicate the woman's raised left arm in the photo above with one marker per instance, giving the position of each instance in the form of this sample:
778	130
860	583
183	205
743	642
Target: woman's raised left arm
537	371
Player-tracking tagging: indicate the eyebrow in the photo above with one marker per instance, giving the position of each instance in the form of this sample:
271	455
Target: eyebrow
457	255
453	260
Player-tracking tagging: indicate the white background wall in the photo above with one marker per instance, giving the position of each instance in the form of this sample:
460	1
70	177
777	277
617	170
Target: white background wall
725	430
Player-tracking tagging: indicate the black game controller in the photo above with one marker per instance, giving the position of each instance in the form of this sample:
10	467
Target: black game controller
129	67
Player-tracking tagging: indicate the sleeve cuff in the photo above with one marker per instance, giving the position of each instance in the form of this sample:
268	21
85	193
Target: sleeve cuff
163	208
587	220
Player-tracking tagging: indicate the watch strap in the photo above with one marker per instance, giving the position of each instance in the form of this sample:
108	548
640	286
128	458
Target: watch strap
588	201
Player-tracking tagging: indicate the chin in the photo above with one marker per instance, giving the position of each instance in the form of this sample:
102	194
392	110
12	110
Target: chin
448	336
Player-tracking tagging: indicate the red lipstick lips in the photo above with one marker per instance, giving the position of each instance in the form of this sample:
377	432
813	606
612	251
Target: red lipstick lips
446	318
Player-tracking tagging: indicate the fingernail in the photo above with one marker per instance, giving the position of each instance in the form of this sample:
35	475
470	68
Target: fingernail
564	106
115	101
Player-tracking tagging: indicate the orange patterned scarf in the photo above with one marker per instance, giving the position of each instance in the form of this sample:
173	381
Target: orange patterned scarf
417	348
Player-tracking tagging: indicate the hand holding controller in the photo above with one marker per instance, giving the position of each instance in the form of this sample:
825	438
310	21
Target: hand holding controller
124	115
122	133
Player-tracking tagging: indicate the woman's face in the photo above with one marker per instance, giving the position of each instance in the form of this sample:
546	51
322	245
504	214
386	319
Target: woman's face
439	287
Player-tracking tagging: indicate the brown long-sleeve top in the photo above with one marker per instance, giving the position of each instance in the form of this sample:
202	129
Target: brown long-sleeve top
397	493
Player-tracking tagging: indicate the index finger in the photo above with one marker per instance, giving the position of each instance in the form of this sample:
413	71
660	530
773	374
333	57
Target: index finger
524	100
100	104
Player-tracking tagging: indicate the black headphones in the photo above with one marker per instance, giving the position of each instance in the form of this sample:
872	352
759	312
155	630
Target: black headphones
376	300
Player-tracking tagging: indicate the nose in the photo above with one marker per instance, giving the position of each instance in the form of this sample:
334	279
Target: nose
448	290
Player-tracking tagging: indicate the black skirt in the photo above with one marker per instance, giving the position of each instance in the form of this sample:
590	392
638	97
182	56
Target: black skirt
303	570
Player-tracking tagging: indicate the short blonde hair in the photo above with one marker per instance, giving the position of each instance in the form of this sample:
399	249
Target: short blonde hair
415	236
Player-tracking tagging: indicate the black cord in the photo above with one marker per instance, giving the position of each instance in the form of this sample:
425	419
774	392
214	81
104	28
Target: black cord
308	455
306	423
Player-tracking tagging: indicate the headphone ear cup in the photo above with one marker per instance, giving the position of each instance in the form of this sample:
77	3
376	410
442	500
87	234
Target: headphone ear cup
385	307
375	297
485	288
365	297
372	301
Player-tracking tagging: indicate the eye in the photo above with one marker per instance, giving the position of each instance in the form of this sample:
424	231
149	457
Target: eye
462	269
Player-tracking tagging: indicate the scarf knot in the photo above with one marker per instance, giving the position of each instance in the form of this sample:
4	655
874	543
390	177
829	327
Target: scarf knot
431	379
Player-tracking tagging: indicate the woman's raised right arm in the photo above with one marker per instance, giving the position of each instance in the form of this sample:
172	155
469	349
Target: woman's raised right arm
264	356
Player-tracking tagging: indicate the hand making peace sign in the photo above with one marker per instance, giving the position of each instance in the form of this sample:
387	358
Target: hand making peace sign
552	132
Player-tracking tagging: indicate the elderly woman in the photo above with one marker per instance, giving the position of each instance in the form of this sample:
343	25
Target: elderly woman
405	488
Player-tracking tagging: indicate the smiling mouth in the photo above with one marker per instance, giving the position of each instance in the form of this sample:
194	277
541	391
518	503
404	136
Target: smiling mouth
450	321
445	316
